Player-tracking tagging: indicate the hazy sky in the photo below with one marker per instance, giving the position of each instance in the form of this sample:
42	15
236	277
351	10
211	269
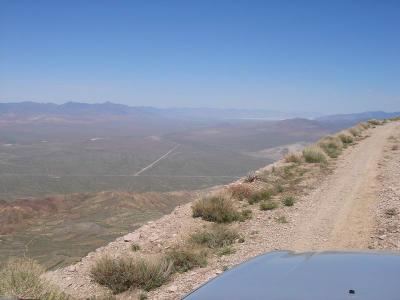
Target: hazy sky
323	56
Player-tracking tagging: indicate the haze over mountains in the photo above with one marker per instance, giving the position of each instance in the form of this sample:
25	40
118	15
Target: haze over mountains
108	108
202	113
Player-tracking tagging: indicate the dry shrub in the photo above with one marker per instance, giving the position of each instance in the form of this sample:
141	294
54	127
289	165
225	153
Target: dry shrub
292	158
332	146
251	177
355	131
122	274
240	191
261	195
374	122
184	260
346	138
218	209
268	205
21	278
314	154
218	236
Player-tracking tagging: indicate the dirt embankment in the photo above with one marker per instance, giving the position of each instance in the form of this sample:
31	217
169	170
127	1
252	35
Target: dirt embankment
344	208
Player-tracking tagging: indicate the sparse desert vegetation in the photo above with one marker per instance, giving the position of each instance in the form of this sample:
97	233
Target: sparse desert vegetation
22	278
261	195
288	201
346	138
292	158
268	205
219	209
332	146
314	155
216	237
275	188
122	274
184	260
240	191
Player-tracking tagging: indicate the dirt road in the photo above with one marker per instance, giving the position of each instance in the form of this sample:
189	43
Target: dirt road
342	215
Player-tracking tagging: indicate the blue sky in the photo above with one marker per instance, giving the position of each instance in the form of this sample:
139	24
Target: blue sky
321	56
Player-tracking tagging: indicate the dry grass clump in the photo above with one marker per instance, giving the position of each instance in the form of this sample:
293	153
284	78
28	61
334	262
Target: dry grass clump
218	209
226	250
122	274
251	177
314	154
268	205
279	188
240	191
332	146
395	147
184	260
21	278
245	214
292	158
346	138
260	196
374	122
217	237
355	131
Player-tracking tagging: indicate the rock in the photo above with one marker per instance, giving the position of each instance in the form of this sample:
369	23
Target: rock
71	268
172	289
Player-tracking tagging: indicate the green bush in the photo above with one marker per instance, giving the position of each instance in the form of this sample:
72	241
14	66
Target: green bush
216	209
21	278
219	236
187	259
122	274
314	155
288	201
268	205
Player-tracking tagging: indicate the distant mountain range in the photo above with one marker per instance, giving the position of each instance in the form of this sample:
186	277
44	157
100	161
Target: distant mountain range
107	108
358	117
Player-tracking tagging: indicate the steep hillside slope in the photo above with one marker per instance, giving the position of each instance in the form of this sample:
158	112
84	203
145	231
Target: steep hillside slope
331	206
59	230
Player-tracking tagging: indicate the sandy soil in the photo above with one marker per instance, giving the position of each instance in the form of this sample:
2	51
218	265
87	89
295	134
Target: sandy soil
339	211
